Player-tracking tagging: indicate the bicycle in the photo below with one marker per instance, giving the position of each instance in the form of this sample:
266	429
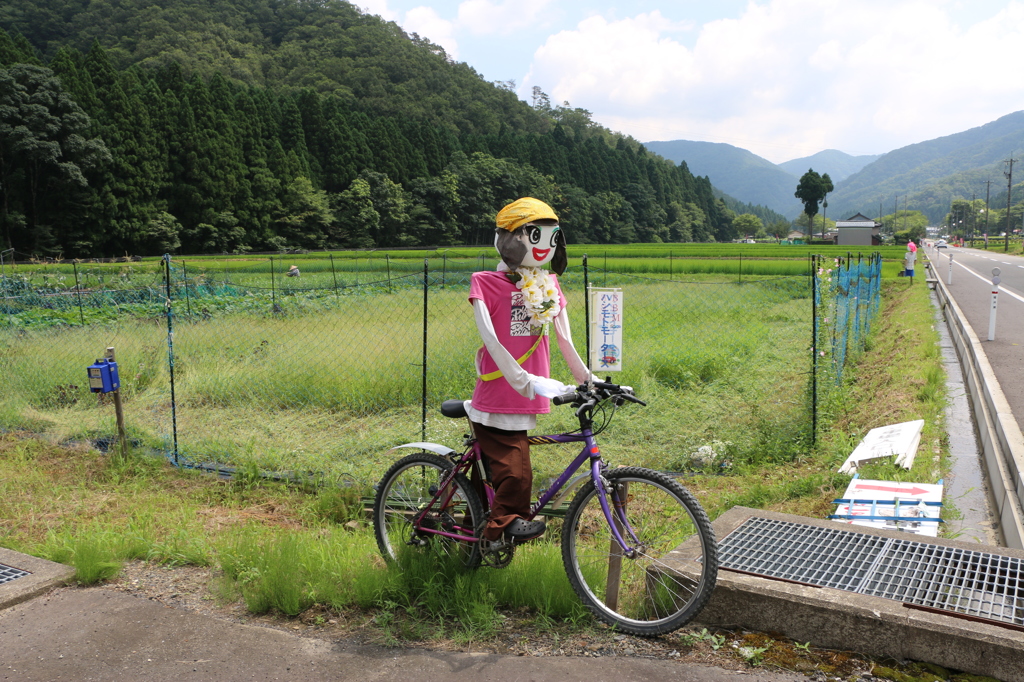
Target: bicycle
638	548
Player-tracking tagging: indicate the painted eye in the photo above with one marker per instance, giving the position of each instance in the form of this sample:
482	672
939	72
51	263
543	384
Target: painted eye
534	234
554	237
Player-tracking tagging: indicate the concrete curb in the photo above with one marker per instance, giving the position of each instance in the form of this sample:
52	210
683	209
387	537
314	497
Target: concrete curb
45	575
849	621
1001	439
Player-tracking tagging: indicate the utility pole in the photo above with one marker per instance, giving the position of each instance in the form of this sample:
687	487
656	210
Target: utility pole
1009	190
895	213
974	219
881	226
988	188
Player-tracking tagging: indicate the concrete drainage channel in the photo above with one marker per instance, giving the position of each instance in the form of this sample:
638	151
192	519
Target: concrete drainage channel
23	577
876	592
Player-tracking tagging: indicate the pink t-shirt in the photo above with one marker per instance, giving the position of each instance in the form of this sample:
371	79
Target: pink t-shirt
511	324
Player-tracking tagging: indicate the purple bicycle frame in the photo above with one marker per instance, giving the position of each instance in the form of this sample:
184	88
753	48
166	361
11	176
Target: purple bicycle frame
590	451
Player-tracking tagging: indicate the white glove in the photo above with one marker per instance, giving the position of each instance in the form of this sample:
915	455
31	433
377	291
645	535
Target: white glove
549	388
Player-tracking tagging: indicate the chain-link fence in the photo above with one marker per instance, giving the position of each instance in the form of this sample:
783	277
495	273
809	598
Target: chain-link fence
847	298
321	368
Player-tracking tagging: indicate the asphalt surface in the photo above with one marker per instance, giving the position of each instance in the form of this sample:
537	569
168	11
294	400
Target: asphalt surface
98	634
971	288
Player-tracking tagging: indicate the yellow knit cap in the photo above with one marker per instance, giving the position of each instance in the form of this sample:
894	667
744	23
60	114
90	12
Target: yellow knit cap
522	211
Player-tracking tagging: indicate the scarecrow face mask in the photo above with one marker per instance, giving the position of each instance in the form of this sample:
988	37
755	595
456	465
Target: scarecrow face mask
533	245
541	241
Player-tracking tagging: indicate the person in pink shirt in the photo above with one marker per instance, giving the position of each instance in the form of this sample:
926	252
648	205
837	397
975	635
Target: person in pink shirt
514	307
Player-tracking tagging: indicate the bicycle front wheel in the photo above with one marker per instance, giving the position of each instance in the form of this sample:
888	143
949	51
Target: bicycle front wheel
649	591
454	517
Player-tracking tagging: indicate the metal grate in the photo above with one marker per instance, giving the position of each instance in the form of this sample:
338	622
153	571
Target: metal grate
978	584
9	573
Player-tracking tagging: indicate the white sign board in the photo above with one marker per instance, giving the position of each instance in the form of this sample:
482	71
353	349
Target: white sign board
900	440
606	330
891	505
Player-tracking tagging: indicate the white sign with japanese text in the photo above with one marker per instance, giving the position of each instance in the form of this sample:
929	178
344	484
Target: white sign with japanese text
606	330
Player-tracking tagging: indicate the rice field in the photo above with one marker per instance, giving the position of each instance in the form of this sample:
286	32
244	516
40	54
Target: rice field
65	285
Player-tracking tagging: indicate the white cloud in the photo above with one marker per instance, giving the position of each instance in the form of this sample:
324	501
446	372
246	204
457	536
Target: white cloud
791	77
428	24
484	17
621	64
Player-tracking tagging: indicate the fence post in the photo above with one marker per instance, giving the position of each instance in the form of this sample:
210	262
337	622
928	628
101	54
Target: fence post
78	290
335	276
387	258
670	266
188	302
423	400
814	351
170	353
273	287
586	308
444	268
741	268
855	297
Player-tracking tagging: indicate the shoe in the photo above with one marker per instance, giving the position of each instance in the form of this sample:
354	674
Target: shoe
521	530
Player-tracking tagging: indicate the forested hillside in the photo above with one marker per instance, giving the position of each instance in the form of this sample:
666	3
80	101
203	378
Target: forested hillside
934	173
737	172
839	165
139	127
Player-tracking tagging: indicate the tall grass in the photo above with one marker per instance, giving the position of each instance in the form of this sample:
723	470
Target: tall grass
326	385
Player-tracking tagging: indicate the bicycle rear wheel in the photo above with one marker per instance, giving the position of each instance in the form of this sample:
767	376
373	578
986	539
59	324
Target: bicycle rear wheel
408	487
651	592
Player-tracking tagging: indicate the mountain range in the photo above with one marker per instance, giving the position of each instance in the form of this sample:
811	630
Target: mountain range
926	176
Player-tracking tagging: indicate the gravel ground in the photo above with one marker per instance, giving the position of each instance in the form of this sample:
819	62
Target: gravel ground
194	589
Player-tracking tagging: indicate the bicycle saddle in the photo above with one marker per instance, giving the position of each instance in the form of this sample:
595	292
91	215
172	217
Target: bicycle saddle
453	408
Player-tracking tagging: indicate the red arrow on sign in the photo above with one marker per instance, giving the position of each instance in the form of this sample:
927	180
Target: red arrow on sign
908	491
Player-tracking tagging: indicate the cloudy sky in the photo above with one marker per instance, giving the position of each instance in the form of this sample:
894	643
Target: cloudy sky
782	78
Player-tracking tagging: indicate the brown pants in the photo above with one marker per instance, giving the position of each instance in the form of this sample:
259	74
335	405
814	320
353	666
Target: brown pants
507	455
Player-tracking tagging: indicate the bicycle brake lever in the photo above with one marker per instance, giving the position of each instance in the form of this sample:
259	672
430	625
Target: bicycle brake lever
585	406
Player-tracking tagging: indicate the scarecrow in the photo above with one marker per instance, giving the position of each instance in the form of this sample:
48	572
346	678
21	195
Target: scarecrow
908	260
514	306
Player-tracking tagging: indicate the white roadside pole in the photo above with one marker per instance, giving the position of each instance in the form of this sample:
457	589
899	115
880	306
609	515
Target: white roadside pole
995	300
949	278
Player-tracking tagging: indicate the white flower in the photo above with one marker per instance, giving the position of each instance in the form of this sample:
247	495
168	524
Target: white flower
540	295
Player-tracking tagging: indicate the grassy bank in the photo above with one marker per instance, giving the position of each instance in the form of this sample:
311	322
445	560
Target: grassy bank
285	548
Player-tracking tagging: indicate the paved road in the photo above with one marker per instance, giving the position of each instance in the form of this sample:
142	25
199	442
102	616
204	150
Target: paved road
98	634
972	291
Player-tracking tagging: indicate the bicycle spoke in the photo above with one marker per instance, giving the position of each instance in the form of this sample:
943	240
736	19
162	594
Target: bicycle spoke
639	591
409	507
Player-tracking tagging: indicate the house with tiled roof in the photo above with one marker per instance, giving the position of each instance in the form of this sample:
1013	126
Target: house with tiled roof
858	230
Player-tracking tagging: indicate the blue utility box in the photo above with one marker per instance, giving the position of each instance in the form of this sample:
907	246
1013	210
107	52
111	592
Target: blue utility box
103	376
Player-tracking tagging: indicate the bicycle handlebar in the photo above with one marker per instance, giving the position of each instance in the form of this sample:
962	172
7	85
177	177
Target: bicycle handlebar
585	397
